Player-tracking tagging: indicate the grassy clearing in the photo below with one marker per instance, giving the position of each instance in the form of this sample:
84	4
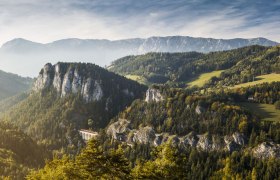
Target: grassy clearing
137	78
266	111
261	79
203	78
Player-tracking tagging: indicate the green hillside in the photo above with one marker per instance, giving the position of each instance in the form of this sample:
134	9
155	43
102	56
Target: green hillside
18	153
220	115
177	69
7	103
204	78
140	79
173	132
12	84
260	79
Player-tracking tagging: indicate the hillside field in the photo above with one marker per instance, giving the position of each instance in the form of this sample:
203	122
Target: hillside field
260	79
266	111
203	78
137	78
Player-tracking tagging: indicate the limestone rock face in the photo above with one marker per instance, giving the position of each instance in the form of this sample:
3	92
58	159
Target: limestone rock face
190	139
267	150
97	93
121	130
44	79
153	95
77	82
67	84
145	135
118	130
57	81
204	143
67	81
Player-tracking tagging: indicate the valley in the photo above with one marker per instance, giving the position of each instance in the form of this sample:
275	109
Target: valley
139	90
149	114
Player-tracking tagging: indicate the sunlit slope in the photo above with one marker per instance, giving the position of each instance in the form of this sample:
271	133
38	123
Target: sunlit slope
204	78
139	79
261	79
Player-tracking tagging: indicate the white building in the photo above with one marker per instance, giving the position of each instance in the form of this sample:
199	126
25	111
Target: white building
87	134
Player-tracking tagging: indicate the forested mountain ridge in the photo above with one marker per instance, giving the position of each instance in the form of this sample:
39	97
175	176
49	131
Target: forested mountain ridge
103	52
12	84
177	69
65	96
170	132
182	135
138	45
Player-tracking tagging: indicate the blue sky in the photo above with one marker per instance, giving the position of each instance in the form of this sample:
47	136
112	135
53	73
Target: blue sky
48	20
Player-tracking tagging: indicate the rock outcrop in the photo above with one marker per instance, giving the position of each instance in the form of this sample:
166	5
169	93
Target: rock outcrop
267	150
153	95
87	80
121	130
44	79
144	135
67	81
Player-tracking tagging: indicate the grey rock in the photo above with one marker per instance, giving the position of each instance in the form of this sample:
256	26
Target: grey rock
239	138
57	81
145	135
77	82
190	140
204	143
68	82
44	79
267	150
118	130
153	95
97	92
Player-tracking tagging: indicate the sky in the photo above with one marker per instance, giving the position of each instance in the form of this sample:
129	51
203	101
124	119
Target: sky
48	20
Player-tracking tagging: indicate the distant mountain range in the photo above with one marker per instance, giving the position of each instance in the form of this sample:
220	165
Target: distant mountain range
103	52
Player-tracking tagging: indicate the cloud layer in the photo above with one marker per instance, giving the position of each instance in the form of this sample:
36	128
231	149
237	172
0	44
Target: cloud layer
49	20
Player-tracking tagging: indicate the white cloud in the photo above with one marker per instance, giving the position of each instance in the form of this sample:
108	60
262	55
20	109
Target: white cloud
45	21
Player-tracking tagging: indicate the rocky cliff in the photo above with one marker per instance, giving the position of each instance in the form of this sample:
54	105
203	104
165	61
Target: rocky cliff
153	95
91	82
121	130
267	150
